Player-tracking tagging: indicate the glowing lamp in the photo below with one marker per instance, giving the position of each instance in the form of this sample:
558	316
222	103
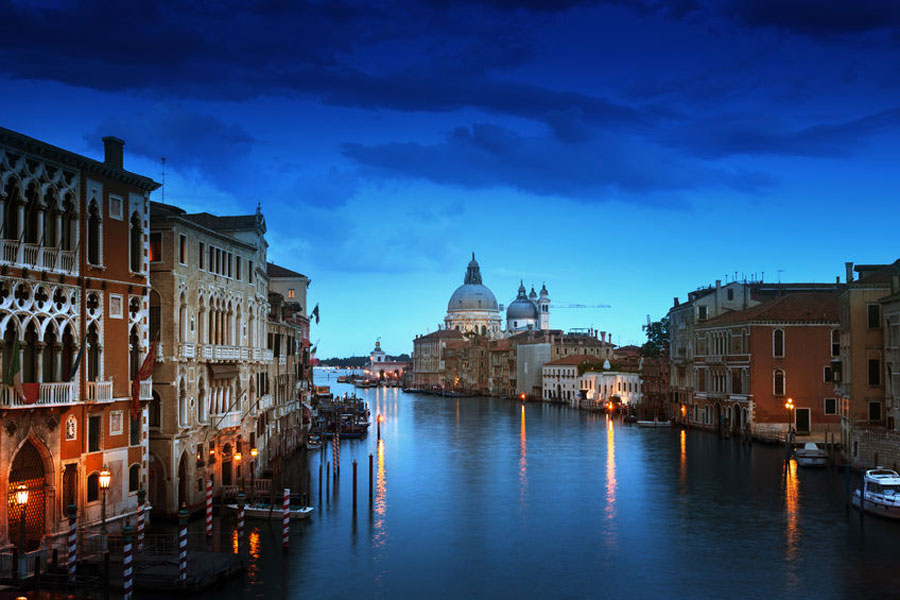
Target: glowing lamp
522	396
381	418
105	477
21	494
254	452
237	457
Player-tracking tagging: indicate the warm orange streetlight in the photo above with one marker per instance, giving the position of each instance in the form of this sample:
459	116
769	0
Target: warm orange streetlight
105	477
254	452
22	495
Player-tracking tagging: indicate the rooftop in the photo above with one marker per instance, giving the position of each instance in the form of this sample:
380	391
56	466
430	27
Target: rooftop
273	270
574	359
800	307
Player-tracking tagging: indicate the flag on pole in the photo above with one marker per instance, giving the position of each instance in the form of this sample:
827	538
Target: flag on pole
315	313
143	373
12	375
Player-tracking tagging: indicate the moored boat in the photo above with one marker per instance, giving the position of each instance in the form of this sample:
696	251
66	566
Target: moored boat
654	423
810	455
880	493
273	512
314	441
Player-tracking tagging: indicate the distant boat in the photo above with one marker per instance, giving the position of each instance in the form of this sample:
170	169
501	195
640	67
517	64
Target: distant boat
654	423
272	512
810	455
881	493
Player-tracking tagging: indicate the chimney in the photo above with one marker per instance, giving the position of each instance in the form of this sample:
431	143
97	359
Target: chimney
837	279
112	151
718	283
895	284
676	300
602	336
849	266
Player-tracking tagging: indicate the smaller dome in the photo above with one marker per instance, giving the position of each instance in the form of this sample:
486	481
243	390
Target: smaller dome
532	295
521	309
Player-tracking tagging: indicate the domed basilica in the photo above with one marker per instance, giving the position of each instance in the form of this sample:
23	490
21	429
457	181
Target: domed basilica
473	308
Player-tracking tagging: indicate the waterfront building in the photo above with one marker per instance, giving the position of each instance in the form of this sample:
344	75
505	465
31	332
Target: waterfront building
380	367
888	446
748	363
561	380
434	358
74	319
210	302
284	421
655	386
600	387
703	305
859	365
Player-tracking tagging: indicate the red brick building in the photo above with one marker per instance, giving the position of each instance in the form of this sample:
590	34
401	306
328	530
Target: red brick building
748	363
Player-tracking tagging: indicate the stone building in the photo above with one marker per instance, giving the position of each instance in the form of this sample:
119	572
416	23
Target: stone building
209	309
435	359
860	370
600	387
284	422
561	381
73	283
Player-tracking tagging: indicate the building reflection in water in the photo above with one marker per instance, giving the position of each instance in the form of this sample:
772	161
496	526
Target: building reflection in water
682	470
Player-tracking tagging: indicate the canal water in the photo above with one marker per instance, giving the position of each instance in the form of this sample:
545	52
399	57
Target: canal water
479	497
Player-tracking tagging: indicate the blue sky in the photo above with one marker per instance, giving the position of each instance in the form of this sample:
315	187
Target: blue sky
623	152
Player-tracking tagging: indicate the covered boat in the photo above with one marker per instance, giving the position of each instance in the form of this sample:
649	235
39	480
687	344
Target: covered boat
810	455
273	512
880	493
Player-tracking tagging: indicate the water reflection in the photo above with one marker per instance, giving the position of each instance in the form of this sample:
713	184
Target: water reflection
523	461
253	566
611	483
380	508
791	500
682	464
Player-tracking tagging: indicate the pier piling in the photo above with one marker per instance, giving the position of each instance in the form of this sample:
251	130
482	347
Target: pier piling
370	478
320	485
354	486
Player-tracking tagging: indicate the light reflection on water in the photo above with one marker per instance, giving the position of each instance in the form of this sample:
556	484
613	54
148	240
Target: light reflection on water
669	513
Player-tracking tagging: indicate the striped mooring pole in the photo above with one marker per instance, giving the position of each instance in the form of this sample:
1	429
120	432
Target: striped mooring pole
241	500
72	555
286	519
127	567
142	497
182	543
336	453
209	520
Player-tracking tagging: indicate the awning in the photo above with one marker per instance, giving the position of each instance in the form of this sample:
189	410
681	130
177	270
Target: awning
224	371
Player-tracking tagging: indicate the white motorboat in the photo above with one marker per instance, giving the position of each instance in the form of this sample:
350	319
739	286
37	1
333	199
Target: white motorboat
810	455
654	423
268	511
880	493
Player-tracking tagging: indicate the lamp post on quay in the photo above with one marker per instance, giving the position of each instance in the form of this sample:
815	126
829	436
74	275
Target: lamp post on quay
105	477
21	497
789	406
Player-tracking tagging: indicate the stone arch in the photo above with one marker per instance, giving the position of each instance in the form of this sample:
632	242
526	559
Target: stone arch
32	466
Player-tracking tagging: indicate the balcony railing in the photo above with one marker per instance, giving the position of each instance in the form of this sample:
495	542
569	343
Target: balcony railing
267	356
99	391
232	419
207	352
265	402
186	350
51	394
227	352
35	256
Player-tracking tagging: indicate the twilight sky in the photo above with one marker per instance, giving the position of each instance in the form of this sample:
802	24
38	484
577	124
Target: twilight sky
622	151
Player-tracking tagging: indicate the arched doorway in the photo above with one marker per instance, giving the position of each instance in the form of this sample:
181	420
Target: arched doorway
182	480
28	469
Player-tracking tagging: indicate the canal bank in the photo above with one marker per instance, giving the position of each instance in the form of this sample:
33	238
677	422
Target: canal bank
480	497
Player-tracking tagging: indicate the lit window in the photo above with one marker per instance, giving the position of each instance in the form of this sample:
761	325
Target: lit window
290	292
155	247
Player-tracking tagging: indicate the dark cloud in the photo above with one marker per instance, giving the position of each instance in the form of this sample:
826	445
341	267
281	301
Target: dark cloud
609	167
766	135
189	140
818	17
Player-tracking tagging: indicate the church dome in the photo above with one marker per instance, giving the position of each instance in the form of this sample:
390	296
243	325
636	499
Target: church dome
521	308
472	294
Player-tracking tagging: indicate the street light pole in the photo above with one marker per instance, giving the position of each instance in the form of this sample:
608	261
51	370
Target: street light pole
22	500
104	478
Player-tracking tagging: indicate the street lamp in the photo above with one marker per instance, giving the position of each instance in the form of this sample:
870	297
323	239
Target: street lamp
379	420
105	477
22	502
789	406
